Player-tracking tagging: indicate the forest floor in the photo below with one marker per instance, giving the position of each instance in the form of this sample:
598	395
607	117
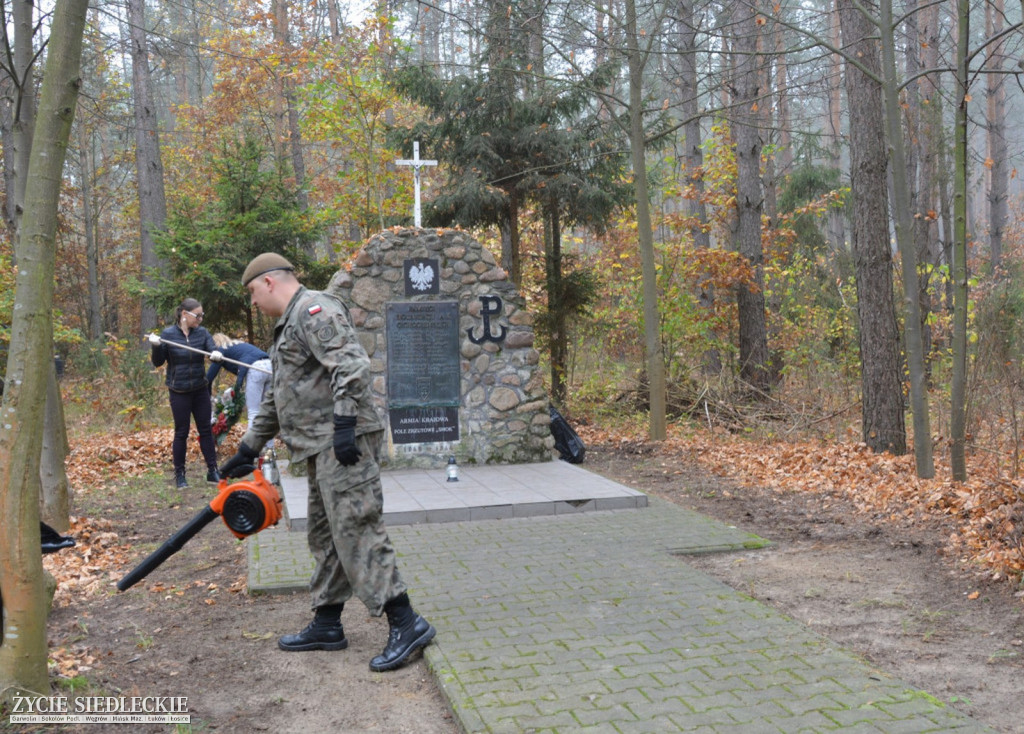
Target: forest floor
882	584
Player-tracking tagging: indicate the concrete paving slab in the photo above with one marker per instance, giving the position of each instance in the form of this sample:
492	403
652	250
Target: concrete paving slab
482	492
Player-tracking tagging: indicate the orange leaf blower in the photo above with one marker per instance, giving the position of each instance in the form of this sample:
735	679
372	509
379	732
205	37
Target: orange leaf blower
246	507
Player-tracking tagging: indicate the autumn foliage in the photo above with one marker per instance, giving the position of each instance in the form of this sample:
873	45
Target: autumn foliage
982	519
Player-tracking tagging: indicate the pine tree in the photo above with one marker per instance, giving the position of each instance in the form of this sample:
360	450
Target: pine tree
206	250
503	150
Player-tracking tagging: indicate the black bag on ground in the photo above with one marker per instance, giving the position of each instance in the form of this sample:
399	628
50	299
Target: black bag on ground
567	441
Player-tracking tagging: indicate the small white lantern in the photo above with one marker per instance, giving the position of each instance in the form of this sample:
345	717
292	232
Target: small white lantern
453	470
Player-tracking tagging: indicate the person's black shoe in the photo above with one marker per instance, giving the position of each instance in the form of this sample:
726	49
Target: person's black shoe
409	632
52	541
213	475
179	479
323	633
53	547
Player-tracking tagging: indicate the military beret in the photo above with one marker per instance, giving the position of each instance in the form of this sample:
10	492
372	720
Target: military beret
264	264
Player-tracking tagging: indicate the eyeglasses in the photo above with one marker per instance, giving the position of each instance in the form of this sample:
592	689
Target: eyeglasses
196	316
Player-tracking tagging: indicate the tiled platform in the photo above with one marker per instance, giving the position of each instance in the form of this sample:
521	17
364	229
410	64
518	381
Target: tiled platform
414	496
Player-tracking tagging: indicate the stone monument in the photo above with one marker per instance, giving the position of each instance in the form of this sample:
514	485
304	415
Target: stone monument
454	368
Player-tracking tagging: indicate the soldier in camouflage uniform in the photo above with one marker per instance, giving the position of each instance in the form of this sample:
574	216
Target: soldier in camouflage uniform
319	401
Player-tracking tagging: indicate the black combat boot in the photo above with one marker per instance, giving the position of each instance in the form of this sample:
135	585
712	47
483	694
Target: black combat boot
179	479
323	633
212	475
409	632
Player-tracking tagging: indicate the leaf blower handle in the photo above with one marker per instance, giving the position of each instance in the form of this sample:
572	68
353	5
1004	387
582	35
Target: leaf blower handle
173	544
156	340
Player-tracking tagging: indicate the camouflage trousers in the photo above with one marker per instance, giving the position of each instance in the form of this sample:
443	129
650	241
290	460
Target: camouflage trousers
346	532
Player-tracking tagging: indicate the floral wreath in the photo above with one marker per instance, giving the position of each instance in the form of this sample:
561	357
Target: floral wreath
227	407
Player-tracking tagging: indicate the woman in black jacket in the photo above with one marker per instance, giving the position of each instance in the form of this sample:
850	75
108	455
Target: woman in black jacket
186	382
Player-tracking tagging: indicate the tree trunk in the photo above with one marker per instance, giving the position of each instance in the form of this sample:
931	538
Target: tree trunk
958	388
23	638
92	255
834	135
557	339
942	183
782	121
997	149
689	108
930	141
882	421
298	158
535	26
24	112
502	74
279	112
333	21
55	494
8	108
917	174
149	167
755	361
924	461
645	235
511	254
295	152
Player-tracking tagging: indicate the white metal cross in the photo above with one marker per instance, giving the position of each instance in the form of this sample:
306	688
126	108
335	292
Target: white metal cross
416	164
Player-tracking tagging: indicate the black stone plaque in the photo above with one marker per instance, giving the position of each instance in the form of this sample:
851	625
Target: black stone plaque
422	276
423	355
423	425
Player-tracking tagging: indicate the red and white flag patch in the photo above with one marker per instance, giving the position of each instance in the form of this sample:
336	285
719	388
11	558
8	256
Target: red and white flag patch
314	309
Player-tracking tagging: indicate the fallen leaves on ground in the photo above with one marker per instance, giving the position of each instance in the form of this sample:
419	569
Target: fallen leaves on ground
97	459
984	516
99	559
92	565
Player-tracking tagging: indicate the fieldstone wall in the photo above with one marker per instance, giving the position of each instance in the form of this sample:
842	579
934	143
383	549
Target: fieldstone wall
503	410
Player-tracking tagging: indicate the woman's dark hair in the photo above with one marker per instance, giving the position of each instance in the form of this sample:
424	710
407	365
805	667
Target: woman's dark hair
189	304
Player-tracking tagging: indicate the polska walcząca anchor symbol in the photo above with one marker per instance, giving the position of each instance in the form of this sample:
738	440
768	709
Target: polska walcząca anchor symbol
490	306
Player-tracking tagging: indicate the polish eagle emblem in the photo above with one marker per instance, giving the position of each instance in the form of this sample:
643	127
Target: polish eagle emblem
421	276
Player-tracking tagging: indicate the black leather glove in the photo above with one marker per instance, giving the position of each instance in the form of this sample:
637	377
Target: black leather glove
240	464
345	449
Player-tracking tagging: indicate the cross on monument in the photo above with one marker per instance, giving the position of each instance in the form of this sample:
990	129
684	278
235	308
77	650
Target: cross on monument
416	164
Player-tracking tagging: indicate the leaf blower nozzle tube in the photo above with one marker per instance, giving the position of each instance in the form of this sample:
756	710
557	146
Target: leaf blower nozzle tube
173	544
246	507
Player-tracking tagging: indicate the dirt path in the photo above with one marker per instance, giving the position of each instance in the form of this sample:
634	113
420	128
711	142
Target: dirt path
191	630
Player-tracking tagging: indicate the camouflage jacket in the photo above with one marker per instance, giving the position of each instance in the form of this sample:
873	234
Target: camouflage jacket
320	370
